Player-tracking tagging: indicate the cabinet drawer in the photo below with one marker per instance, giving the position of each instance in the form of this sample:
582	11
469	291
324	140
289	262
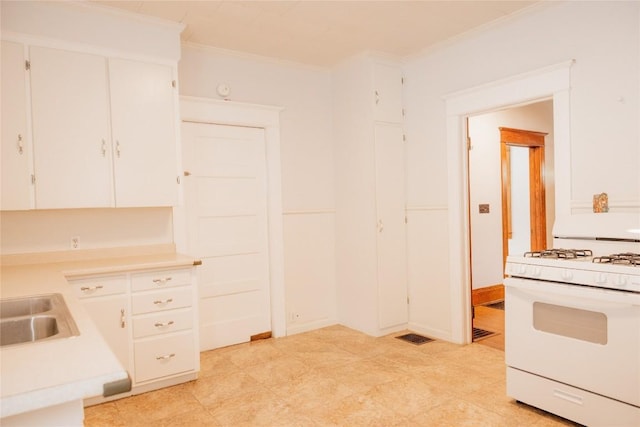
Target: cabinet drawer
162	322
163	356
160	279
99	286
149	302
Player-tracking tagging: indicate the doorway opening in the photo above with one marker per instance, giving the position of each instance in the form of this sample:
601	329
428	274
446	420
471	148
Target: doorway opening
510	193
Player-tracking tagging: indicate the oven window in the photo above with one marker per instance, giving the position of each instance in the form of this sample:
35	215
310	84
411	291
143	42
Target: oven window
570	322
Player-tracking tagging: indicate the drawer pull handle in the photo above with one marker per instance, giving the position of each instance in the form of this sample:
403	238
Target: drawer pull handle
158	302
91	288
162	325
162	281
166	356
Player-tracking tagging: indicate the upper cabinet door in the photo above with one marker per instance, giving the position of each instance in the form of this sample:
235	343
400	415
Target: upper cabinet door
16	156
387	83
71	137
144	133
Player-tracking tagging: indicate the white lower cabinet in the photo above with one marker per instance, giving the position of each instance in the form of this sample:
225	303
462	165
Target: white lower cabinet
165	355
149	319
106	300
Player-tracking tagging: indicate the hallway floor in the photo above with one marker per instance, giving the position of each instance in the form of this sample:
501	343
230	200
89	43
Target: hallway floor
490	319
334	376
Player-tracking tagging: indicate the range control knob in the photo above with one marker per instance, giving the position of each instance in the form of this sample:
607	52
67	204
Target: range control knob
620	280
566	275
601	278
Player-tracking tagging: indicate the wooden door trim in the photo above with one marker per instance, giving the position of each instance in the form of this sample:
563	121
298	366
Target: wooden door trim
538	224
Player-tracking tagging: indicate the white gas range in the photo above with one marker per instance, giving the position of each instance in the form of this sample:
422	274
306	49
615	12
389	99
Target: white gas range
572	327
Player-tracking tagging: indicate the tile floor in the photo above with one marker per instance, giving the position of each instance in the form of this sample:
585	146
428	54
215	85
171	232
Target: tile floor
334	376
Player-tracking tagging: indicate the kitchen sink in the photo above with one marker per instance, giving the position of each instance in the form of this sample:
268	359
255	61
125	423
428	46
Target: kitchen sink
33	319
24	306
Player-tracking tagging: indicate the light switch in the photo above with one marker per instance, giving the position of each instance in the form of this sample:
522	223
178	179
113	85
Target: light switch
483	208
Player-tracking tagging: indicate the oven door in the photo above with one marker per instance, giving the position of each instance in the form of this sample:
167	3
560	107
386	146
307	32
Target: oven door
585	337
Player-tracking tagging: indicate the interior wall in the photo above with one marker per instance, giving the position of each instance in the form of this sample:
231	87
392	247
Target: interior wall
603	39
307	165
485	185
52	230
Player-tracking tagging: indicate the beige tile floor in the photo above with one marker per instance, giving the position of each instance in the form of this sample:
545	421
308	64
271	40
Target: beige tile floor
334	377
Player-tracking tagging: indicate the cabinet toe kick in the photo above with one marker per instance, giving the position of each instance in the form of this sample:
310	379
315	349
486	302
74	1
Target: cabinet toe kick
117	387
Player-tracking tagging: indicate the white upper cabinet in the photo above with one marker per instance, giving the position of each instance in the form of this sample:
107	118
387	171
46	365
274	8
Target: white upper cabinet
144	133
387	83
103	130
71	137
16	156
92	122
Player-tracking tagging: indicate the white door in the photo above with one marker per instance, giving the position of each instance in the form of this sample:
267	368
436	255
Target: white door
16	153
144	137
391	240
71	135
226	209
387	82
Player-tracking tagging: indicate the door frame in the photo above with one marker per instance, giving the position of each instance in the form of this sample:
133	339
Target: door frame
213	111
553	82
534	142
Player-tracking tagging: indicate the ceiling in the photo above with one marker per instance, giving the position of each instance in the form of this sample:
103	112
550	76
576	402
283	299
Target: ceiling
322	33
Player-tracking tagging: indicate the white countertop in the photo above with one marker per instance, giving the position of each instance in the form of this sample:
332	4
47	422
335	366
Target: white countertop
51	372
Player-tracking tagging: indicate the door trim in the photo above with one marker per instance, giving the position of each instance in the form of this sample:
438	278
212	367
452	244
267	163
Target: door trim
534	142
552	82
213	111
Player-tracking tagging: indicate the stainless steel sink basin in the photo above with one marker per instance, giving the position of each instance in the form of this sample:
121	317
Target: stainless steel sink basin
35	318
24	306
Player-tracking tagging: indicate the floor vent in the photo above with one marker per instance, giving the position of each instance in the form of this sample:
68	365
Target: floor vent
479	334
499	305
414	339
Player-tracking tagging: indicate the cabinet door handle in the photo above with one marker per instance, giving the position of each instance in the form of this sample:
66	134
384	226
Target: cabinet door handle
162	281
123	322
118	148
104	148
162	325
19	145
91	288
158	302
166	356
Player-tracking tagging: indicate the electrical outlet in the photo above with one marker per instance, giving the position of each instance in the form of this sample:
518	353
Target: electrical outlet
75	242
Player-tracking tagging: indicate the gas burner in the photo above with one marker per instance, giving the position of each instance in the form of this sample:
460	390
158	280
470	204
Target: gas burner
560	253
626	258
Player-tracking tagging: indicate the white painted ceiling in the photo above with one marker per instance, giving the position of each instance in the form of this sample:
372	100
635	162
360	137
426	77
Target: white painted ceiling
323	33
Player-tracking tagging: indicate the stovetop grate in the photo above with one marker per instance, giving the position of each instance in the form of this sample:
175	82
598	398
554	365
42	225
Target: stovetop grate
560	253
626	258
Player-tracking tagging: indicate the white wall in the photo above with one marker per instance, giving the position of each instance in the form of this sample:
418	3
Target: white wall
307	165
603	38
485	185
51	230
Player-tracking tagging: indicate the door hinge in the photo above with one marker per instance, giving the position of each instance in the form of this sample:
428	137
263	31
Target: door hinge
468	143
173	84
406	220
401	80
403	112
27	65
33	179
404	137
178	179
407	300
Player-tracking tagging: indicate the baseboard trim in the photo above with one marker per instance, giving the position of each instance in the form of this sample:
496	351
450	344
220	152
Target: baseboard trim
487	295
